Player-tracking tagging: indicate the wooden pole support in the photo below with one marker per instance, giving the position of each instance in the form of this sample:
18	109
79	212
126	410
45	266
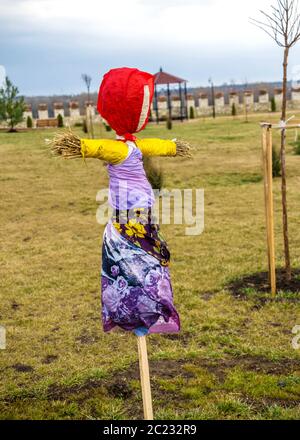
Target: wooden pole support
271	212
145	378
266	194
269	208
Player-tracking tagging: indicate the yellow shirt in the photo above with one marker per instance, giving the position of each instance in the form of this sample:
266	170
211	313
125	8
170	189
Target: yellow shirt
115	152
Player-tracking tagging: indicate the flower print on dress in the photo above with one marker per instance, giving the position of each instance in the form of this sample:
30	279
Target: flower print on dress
112	298
135	229
115	270
117	226
121	284
164	289
141	293
146	305
104	282
152	277
130	300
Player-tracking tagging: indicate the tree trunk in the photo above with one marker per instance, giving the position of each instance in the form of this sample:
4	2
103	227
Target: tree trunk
283	171
11	127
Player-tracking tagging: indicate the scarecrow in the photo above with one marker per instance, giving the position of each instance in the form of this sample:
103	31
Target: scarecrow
135	280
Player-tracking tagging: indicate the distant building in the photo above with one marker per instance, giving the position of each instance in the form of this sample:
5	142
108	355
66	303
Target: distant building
43	111
58	109
74	110
263	97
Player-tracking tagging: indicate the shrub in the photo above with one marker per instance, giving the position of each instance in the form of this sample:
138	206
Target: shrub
169	124
273	104
192	113
233	109
78	124
154	174
107	127
29	122
60	120
276	162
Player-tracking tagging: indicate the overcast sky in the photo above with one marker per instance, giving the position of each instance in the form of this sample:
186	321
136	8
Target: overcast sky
47	44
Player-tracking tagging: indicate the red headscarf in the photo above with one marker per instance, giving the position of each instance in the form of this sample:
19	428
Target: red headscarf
124	100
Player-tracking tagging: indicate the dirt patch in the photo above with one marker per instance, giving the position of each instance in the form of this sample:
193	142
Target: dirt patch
49	359
258	364
61	392
15	305
169	369
87	339
119	387
163	369
259	282
118	384
22	368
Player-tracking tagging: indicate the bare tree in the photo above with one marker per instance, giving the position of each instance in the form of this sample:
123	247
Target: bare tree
282	24
87	80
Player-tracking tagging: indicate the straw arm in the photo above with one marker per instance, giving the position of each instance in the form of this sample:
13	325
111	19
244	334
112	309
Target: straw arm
161	147
70	146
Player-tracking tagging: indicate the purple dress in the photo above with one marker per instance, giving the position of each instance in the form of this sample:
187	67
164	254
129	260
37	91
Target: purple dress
136	285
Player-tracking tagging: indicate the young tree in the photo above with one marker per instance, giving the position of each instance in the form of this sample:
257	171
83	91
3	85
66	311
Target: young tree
273	105
282	24
29	122
233	109
60	120
11	105
169	123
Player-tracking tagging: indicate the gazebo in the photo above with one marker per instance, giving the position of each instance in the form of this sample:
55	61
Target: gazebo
166	79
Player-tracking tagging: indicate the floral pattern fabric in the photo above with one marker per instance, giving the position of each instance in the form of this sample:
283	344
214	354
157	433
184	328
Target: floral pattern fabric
137	227
136	287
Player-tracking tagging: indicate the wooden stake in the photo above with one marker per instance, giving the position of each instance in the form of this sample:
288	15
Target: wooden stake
145	378
265	173
271	212
269	208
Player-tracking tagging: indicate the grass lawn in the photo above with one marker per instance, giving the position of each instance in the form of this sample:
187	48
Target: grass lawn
233	358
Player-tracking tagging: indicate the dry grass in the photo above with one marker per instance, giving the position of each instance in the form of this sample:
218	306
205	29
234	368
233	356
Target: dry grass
65	144
233	358
183	148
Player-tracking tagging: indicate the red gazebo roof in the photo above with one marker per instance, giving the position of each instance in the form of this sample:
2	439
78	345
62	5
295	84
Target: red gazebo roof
166	78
